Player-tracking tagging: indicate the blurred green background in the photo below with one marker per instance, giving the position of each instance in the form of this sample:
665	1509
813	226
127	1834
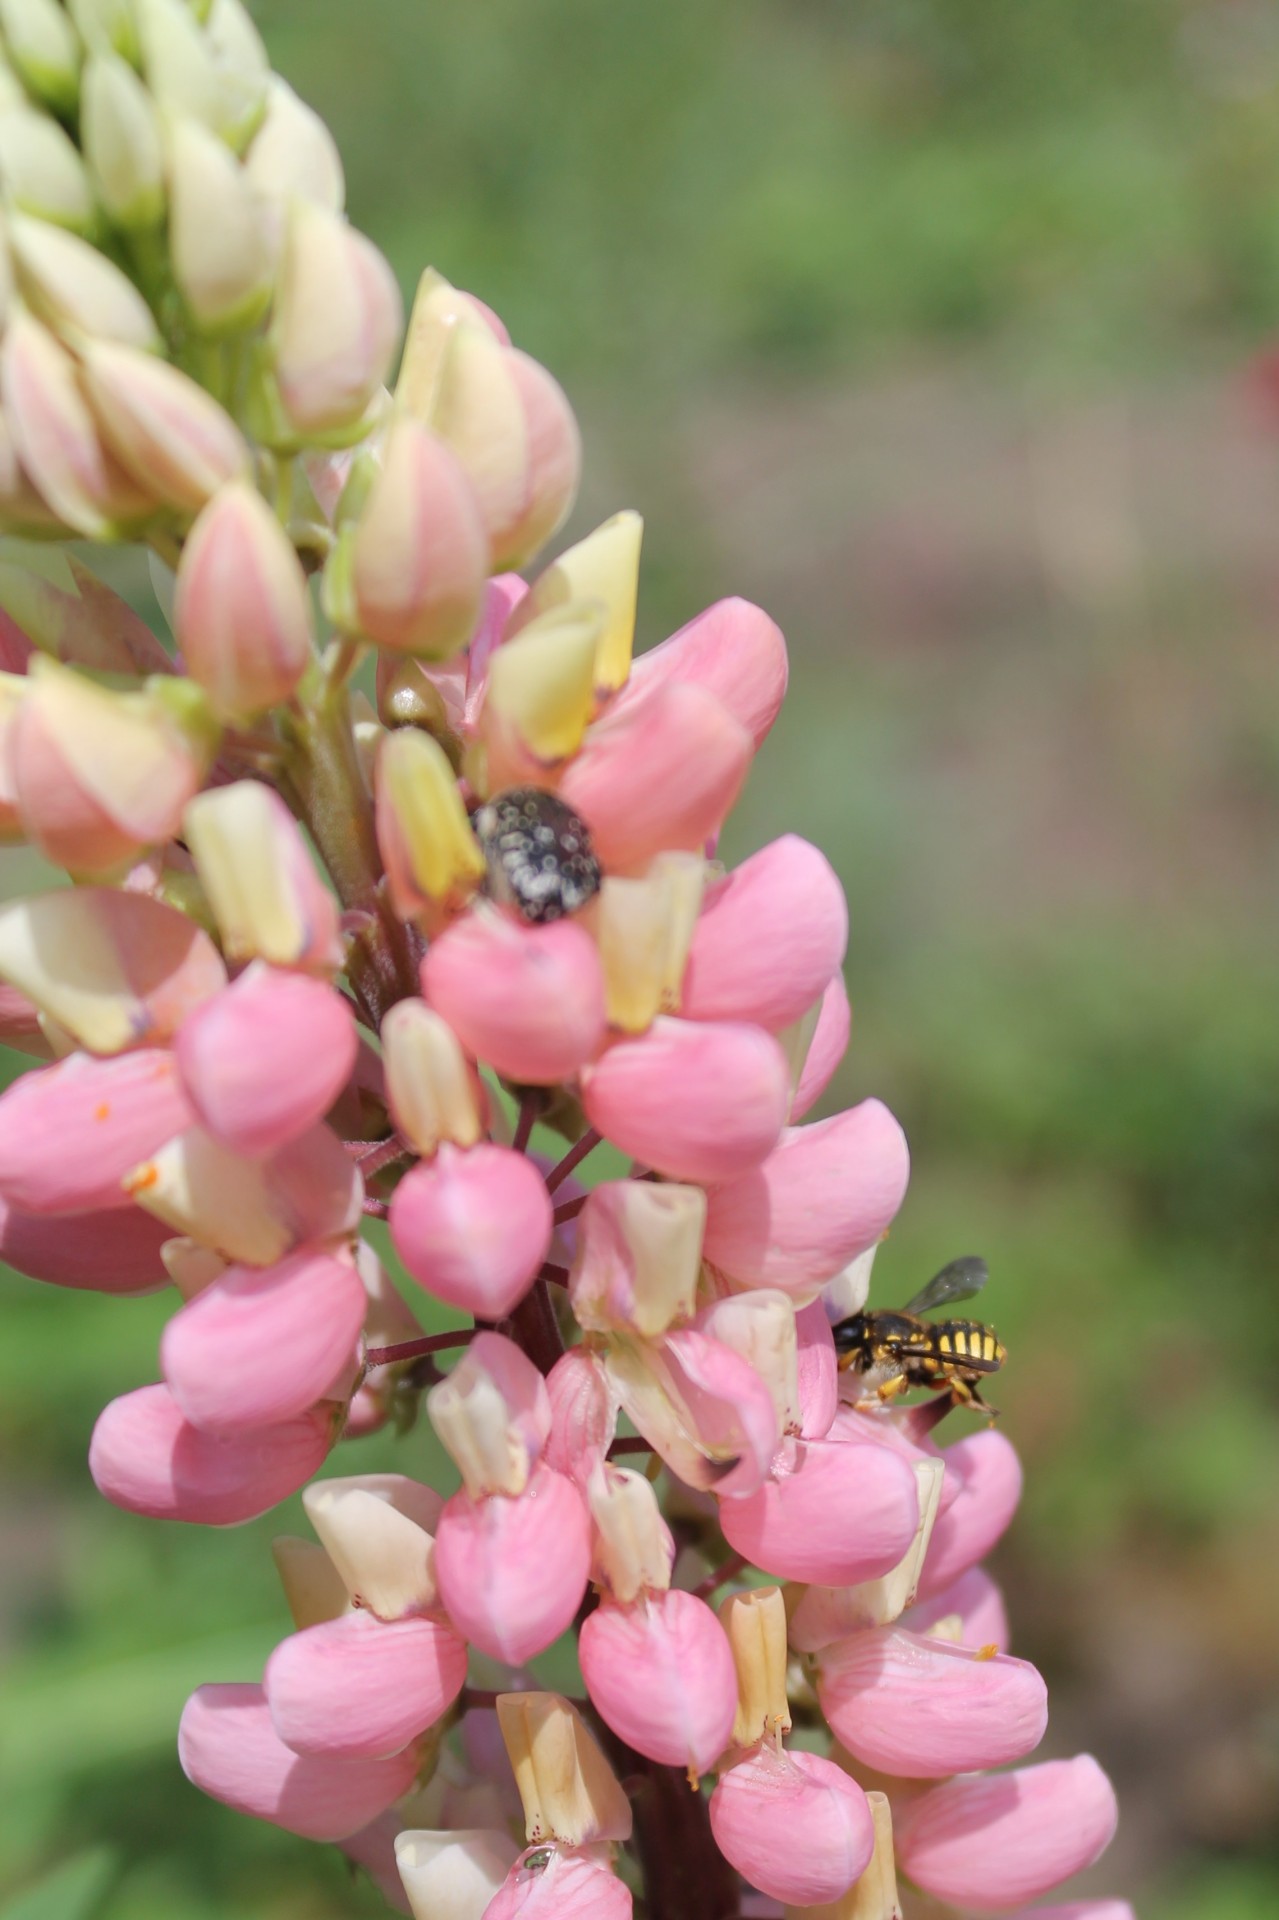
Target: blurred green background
933	325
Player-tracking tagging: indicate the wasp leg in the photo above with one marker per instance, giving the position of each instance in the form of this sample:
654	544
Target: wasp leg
972	1394
889	1389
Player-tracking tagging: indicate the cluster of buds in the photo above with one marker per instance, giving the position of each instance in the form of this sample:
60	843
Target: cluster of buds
333	952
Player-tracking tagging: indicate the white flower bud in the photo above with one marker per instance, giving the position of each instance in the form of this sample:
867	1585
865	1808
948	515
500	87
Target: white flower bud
216	238
40	170
45	50
121	139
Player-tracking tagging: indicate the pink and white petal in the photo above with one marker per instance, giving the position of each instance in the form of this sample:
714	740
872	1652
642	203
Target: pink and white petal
974	1602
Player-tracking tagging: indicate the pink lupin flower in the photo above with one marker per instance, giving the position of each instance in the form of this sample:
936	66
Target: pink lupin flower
512	1549
145	1457
583	1414
992	1842
970	1610
733	650
826	1049
637	1256
473	1227
527	1000
260	1346
229	1748
656	1661
830	1512
699	1405
266	1058
561	1883
987	1472
771	935
658	773
360	1688
793	1824
697	1101
824	1195
110	1251
921	1708
70	1133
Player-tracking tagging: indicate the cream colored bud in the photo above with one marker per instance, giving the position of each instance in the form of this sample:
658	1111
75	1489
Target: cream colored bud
474	1424
217	241
313	1588
874	1895
107	26
293	155
40	170
190	1266
76	289
436	306
644	928
453	1873
823	1615
172	436
216	78
45	49
336	321
638	1256
267	899
429	1082
603	568
634	1550
123	150
755	1622
378	1529
476	408
432	858
760	1326
541	691
569	1791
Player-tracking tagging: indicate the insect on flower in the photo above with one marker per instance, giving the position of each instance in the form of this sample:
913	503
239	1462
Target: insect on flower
540	860
899	1350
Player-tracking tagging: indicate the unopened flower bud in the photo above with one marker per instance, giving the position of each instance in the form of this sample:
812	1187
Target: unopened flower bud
474	1227
43	46
75	289
106	26
217	241
172	436
113	969
603	568
123	150
433	860
453	1874
638	1256
529	1001
41	170
436	308
430	1085
554	467
336	320
57	437
644	928
569	1791
216	79
266	896
410	573
755	1622
293	155
242	612
378	1531
313	1588
476	408
540	695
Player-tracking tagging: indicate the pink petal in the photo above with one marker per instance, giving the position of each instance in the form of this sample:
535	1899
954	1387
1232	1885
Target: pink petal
735	651
473	1227
977	1603
556	1884
826	1048
840	1515
146	1458
266	1058
657	774
529	1001
583	1415
70	1133
230	1750
261	1345
512	1572
697	1102
661	1675
794	1825
824	1195
992	1843
988	1473
770	936
358	1688
726	1410
554	461
818	1371
502	596
922	1708
115	1251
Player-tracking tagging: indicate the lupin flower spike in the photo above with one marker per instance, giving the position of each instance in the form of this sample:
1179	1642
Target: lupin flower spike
447	948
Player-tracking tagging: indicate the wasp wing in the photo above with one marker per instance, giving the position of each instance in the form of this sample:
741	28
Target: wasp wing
958	1280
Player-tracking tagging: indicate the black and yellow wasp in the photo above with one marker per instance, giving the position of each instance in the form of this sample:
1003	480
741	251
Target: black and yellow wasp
898	1350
